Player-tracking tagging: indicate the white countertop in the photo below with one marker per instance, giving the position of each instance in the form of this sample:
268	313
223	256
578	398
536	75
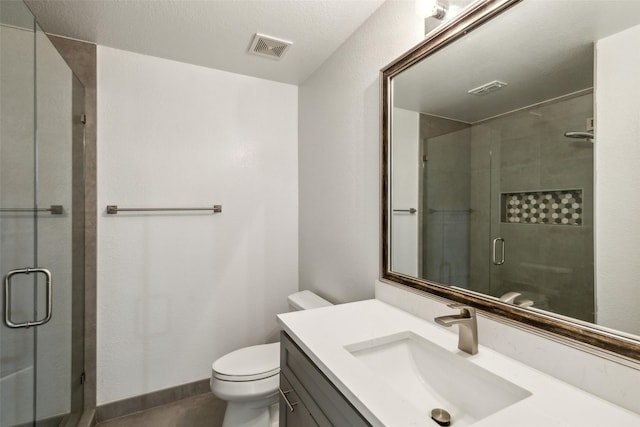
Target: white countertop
323	333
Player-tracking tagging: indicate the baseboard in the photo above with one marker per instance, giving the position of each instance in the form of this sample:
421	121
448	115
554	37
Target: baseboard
134	404
88	418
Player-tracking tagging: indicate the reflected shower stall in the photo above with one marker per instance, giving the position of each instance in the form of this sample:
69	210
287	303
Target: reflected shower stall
507	204
41	227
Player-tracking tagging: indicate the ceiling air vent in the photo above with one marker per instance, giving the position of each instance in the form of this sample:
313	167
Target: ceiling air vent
269	46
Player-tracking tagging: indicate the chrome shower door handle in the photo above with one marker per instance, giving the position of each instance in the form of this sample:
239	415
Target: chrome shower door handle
496	260
7	297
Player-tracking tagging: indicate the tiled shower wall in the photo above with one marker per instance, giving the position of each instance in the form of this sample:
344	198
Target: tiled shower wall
522	152
527	152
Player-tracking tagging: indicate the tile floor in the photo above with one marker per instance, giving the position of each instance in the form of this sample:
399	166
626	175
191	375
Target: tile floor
203	410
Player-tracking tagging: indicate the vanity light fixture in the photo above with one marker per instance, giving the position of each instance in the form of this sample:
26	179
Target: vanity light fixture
487	88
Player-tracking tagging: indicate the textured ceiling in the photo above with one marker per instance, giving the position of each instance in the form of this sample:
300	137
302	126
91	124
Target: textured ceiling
212	33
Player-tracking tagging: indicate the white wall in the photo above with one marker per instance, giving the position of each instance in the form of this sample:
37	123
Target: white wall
176	291
339	158
617	150
340	155
405	176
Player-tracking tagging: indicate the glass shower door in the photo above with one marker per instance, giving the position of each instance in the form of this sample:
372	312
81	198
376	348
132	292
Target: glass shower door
41	227
17	229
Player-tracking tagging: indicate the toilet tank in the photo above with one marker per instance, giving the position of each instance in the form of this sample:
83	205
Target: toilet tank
305	300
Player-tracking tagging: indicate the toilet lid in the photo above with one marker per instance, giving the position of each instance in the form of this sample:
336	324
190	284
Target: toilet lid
249	363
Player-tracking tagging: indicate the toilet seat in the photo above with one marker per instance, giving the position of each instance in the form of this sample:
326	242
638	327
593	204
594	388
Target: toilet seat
248	364
248	378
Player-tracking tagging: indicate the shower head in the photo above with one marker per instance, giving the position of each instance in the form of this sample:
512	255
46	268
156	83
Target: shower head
580	135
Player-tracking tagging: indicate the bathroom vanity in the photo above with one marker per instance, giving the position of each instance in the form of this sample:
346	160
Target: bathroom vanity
308	397
369	363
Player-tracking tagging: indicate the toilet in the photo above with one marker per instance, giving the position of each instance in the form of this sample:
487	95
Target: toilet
248	378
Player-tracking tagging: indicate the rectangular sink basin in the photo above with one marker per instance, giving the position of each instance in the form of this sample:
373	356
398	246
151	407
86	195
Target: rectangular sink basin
429	377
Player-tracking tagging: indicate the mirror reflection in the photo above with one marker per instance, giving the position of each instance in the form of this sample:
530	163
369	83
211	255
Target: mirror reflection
494	144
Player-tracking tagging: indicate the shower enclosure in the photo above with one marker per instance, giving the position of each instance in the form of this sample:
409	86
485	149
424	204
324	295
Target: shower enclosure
507	205
41	227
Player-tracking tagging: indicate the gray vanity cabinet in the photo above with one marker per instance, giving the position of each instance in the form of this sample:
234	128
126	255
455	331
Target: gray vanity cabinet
314	399
297	415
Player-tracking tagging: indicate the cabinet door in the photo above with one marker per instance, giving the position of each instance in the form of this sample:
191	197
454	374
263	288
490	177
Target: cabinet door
328	407
297	415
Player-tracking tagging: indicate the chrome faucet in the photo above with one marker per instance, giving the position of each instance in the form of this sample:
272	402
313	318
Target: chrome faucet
510	298
467	327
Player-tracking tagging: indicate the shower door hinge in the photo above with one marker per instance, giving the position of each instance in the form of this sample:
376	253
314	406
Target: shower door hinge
590	124
83	119
83	378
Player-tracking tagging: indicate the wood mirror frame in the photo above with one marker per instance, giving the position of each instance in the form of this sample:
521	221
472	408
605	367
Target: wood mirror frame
605	341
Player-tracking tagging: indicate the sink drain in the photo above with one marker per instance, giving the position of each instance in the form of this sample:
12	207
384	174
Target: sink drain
441	416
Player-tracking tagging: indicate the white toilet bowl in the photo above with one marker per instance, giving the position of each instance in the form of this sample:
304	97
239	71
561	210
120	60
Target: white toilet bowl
248	378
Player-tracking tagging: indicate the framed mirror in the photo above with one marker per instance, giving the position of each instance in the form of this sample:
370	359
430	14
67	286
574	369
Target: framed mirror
510	148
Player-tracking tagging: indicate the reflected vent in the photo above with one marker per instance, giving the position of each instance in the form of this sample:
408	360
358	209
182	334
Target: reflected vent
487	88
268	46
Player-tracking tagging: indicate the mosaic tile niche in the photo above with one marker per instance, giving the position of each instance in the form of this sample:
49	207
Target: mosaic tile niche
554	207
